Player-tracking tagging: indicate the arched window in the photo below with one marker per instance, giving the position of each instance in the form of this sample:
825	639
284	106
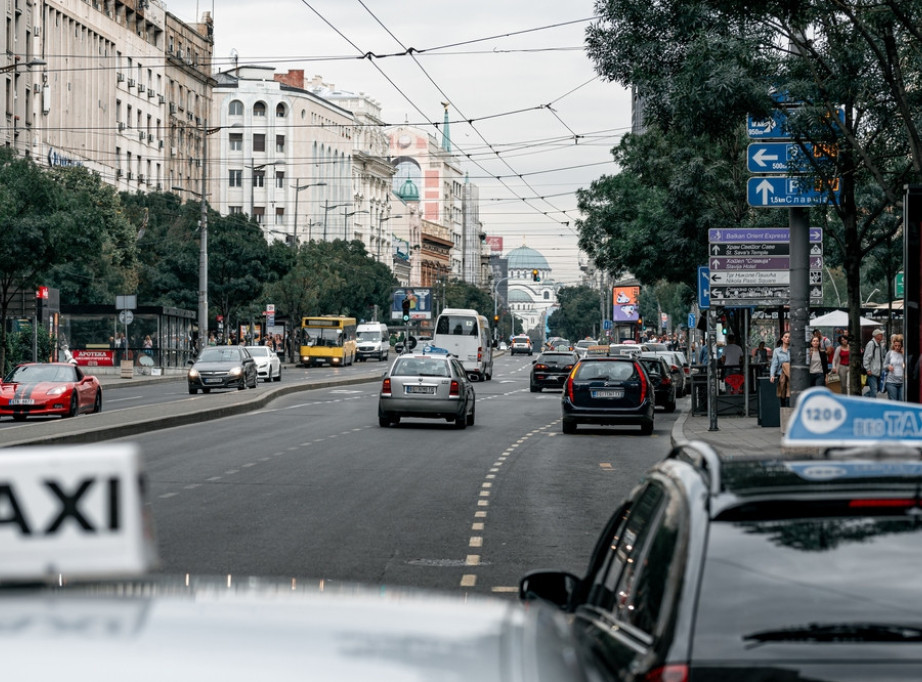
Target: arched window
281	111
259	110
547	295
235	108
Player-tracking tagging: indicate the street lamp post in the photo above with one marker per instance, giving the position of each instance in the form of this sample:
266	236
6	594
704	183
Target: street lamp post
297	189
346	222
495	301
326	215
381	221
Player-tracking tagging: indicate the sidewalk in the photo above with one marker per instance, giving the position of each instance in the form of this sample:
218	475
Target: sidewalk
735	435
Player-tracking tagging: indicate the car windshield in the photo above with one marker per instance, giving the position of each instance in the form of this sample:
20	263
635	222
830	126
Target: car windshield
421	367
605	371
368	336
764	577
31	374
219	355
259	350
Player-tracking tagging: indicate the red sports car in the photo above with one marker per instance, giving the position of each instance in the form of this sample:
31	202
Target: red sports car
49	388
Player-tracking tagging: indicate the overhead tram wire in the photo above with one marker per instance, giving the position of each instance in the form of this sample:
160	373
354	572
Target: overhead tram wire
416	107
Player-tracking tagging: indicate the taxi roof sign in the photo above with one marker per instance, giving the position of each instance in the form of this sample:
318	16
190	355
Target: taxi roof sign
822	418
78	511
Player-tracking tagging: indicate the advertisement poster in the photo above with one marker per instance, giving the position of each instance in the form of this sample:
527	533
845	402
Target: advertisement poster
420	303
624	304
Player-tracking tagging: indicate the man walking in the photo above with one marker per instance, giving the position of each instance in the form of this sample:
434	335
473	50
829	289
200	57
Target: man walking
873	361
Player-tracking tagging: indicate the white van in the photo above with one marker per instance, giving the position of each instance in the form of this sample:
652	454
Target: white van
372	340
465	333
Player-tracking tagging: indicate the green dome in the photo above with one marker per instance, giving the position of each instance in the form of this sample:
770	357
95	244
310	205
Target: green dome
519	296
524	258
408	191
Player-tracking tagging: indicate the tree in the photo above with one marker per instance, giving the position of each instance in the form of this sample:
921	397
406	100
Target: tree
701	67
577	315
237	254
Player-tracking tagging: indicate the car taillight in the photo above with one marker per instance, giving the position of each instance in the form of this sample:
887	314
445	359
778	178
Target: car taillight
668	673
666	381
479	354
386	387
568	368
675	368
643	382
687	371
541	367
455	388
884	502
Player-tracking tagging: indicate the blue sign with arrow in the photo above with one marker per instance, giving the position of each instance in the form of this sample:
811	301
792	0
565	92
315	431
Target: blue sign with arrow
704	287
826	419
785	192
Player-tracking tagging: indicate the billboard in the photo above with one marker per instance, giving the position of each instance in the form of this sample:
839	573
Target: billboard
625	304
495	243
420	303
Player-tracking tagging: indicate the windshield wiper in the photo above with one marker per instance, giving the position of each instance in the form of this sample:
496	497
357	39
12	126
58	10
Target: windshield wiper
841	632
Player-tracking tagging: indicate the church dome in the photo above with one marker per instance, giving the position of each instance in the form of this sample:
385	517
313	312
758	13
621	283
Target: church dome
524	258
519	296
408	191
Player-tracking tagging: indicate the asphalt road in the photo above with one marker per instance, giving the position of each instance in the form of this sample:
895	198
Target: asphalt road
308	486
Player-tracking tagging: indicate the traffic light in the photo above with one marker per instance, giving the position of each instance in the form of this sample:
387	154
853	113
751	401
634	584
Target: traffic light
495	319
640	322
724	327
535	277
406	309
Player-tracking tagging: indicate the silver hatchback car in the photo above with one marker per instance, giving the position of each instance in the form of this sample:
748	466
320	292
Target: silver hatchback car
430	385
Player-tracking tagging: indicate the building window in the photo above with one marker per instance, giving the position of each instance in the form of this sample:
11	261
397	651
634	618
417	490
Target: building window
259	142
280	179
236	210
235	108
236	142
280	216
280	143
258	213
259	178
259	110
281	111
235	178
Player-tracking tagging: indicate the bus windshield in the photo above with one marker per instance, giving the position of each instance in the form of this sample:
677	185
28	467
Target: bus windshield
457	325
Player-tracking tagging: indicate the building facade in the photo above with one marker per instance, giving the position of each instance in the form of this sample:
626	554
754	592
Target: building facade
529	300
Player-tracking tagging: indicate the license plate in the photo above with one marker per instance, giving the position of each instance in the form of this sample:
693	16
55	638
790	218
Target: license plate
420	389
212	381
22	401
608	394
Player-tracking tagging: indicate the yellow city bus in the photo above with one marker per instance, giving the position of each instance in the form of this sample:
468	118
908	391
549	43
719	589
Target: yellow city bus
327	339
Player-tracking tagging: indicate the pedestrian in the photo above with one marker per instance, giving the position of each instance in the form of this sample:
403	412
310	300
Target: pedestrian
760	354
825	343
780	371
817	362
732	357
873	361
840	358
148	345
894	364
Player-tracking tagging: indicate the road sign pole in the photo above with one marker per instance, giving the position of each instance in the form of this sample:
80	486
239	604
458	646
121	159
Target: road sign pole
712	369
800	300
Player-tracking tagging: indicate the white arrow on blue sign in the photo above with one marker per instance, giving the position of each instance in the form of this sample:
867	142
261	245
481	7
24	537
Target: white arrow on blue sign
704	287
778	157
784	192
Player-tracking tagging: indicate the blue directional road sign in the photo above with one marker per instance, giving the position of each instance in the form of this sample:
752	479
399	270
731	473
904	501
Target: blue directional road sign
785	192
704	287
775	126
826	419
758	235
691	320
779	157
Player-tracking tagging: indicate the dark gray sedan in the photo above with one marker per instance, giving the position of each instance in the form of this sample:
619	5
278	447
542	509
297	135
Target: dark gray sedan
426	385
222	367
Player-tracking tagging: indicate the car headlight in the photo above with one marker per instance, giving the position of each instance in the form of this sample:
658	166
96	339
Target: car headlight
193	373
236	372
57	390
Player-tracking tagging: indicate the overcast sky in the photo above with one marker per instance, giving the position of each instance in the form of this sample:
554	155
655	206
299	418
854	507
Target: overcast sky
530	119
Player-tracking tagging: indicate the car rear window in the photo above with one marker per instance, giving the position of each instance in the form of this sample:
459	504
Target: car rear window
606	371
762	578
421	367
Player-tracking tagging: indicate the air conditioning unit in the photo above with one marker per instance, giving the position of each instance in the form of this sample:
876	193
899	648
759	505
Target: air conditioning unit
37	87
36	30
150	138
121	126
172	151
140	87
141	135
160	146
161	99
172	108
128	175
151	93
198	120
118	172
120	77
159	187
131	82
140	178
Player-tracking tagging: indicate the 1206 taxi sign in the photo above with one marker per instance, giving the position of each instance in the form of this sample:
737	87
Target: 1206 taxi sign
825	419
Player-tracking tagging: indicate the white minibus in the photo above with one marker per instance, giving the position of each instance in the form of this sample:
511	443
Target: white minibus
465	333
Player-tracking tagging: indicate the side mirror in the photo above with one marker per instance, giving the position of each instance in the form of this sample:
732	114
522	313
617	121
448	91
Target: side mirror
554	587
189	363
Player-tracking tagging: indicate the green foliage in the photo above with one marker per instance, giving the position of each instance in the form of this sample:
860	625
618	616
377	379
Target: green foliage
578	314
461	294
19	347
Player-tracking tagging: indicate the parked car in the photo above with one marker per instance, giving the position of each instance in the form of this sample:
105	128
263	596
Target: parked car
741	568
429	385
521	344
268	365
661	377
48	388
550	369
222	367
681	372
608	390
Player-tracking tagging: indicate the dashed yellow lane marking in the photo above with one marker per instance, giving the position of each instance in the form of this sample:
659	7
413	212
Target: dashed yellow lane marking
605	465
501	588
475	541
472	560
477	526
468	580
480	515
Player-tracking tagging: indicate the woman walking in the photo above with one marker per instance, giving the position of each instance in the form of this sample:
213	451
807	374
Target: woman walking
893	363
817	362
840	357
780	371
